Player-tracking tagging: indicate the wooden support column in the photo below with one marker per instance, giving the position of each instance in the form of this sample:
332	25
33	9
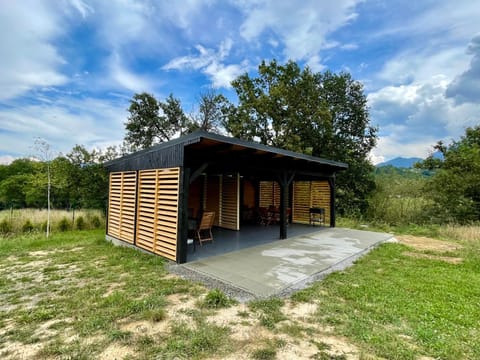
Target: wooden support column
331	182
182	233
285	179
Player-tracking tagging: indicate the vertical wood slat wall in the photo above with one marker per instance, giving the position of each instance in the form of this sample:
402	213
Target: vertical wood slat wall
269	194
222	195
121	205
230	217
212	196
307	194
157	211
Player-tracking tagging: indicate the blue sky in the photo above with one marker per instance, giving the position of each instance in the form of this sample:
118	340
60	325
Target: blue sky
68	68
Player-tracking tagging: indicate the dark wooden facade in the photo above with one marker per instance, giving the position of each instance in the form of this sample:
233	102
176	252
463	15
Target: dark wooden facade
152	191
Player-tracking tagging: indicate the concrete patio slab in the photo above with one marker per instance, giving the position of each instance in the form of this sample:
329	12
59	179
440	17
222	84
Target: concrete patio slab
284	266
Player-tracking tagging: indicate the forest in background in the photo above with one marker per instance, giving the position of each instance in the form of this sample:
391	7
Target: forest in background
320	114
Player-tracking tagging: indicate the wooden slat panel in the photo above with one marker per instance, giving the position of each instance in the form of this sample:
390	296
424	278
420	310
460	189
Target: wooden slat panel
157	224
230	202
269	194
212	197
122	198
307	194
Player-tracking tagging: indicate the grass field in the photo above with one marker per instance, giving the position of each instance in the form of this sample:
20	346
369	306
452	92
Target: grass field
76	296
18	221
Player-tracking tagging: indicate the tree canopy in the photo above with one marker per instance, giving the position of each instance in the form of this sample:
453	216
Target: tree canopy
455	185
322	114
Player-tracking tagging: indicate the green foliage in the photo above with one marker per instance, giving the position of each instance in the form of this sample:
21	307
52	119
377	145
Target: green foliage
95	222
64	224
455	186
145	125
80	223
216	299
321	114
269	311
77	180
266	353
399	198
5	227
27	226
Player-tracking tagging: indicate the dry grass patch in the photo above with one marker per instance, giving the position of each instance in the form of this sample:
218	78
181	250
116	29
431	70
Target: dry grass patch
469	233
422	243
447	259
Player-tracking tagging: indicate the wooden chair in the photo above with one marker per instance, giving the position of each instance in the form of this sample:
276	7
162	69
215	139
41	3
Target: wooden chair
204	229
317	216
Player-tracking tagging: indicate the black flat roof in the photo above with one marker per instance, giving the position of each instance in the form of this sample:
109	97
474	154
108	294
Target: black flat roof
202	136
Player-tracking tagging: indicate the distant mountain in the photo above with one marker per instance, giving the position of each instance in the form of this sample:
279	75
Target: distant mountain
401	162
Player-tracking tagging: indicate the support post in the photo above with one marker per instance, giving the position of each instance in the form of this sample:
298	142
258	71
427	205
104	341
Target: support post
285	179
182	233
331	182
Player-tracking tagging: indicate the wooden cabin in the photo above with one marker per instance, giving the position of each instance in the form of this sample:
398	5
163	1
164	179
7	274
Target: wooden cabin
154	192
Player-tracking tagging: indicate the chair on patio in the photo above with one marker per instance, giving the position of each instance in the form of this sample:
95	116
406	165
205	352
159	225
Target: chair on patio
317	216
204	229
264	216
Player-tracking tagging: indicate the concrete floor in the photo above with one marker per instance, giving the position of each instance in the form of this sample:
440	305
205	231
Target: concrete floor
280	267
226	241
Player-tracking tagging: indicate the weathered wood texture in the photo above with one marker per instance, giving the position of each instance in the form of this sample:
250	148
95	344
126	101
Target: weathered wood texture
121	205
269	194
157	211
308	194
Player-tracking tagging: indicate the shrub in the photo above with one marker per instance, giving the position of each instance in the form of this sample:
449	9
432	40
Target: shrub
216	299
95	222
80	223
64	224
27	226
5	227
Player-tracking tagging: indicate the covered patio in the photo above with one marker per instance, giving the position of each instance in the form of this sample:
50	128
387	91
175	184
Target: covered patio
155	195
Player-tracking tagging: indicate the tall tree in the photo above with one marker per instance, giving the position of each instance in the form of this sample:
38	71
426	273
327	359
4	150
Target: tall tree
455	185
212	111
151	122
324	115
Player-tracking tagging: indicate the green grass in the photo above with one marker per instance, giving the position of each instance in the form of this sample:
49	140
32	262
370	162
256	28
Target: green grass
87	287
396	306
72	294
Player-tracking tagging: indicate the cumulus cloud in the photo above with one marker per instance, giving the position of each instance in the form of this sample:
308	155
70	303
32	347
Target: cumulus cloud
466	87
29	59
414	117
210	62
303	27
62	123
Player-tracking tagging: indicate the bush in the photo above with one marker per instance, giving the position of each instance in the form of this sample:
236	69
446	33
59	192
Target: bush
5	227
216	299
95	222
27	226
64	224
80	223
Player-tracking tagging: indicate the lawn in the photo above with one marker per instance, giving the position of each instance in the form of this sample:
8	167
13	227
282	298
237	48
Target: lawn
76	296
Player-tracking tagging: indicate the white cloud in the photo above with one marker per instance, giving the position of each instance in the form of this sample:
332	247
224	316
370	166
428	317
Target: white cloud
466	86
6	159
303	27
29	59
413	118
83	8
126	78
210	62
65	122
